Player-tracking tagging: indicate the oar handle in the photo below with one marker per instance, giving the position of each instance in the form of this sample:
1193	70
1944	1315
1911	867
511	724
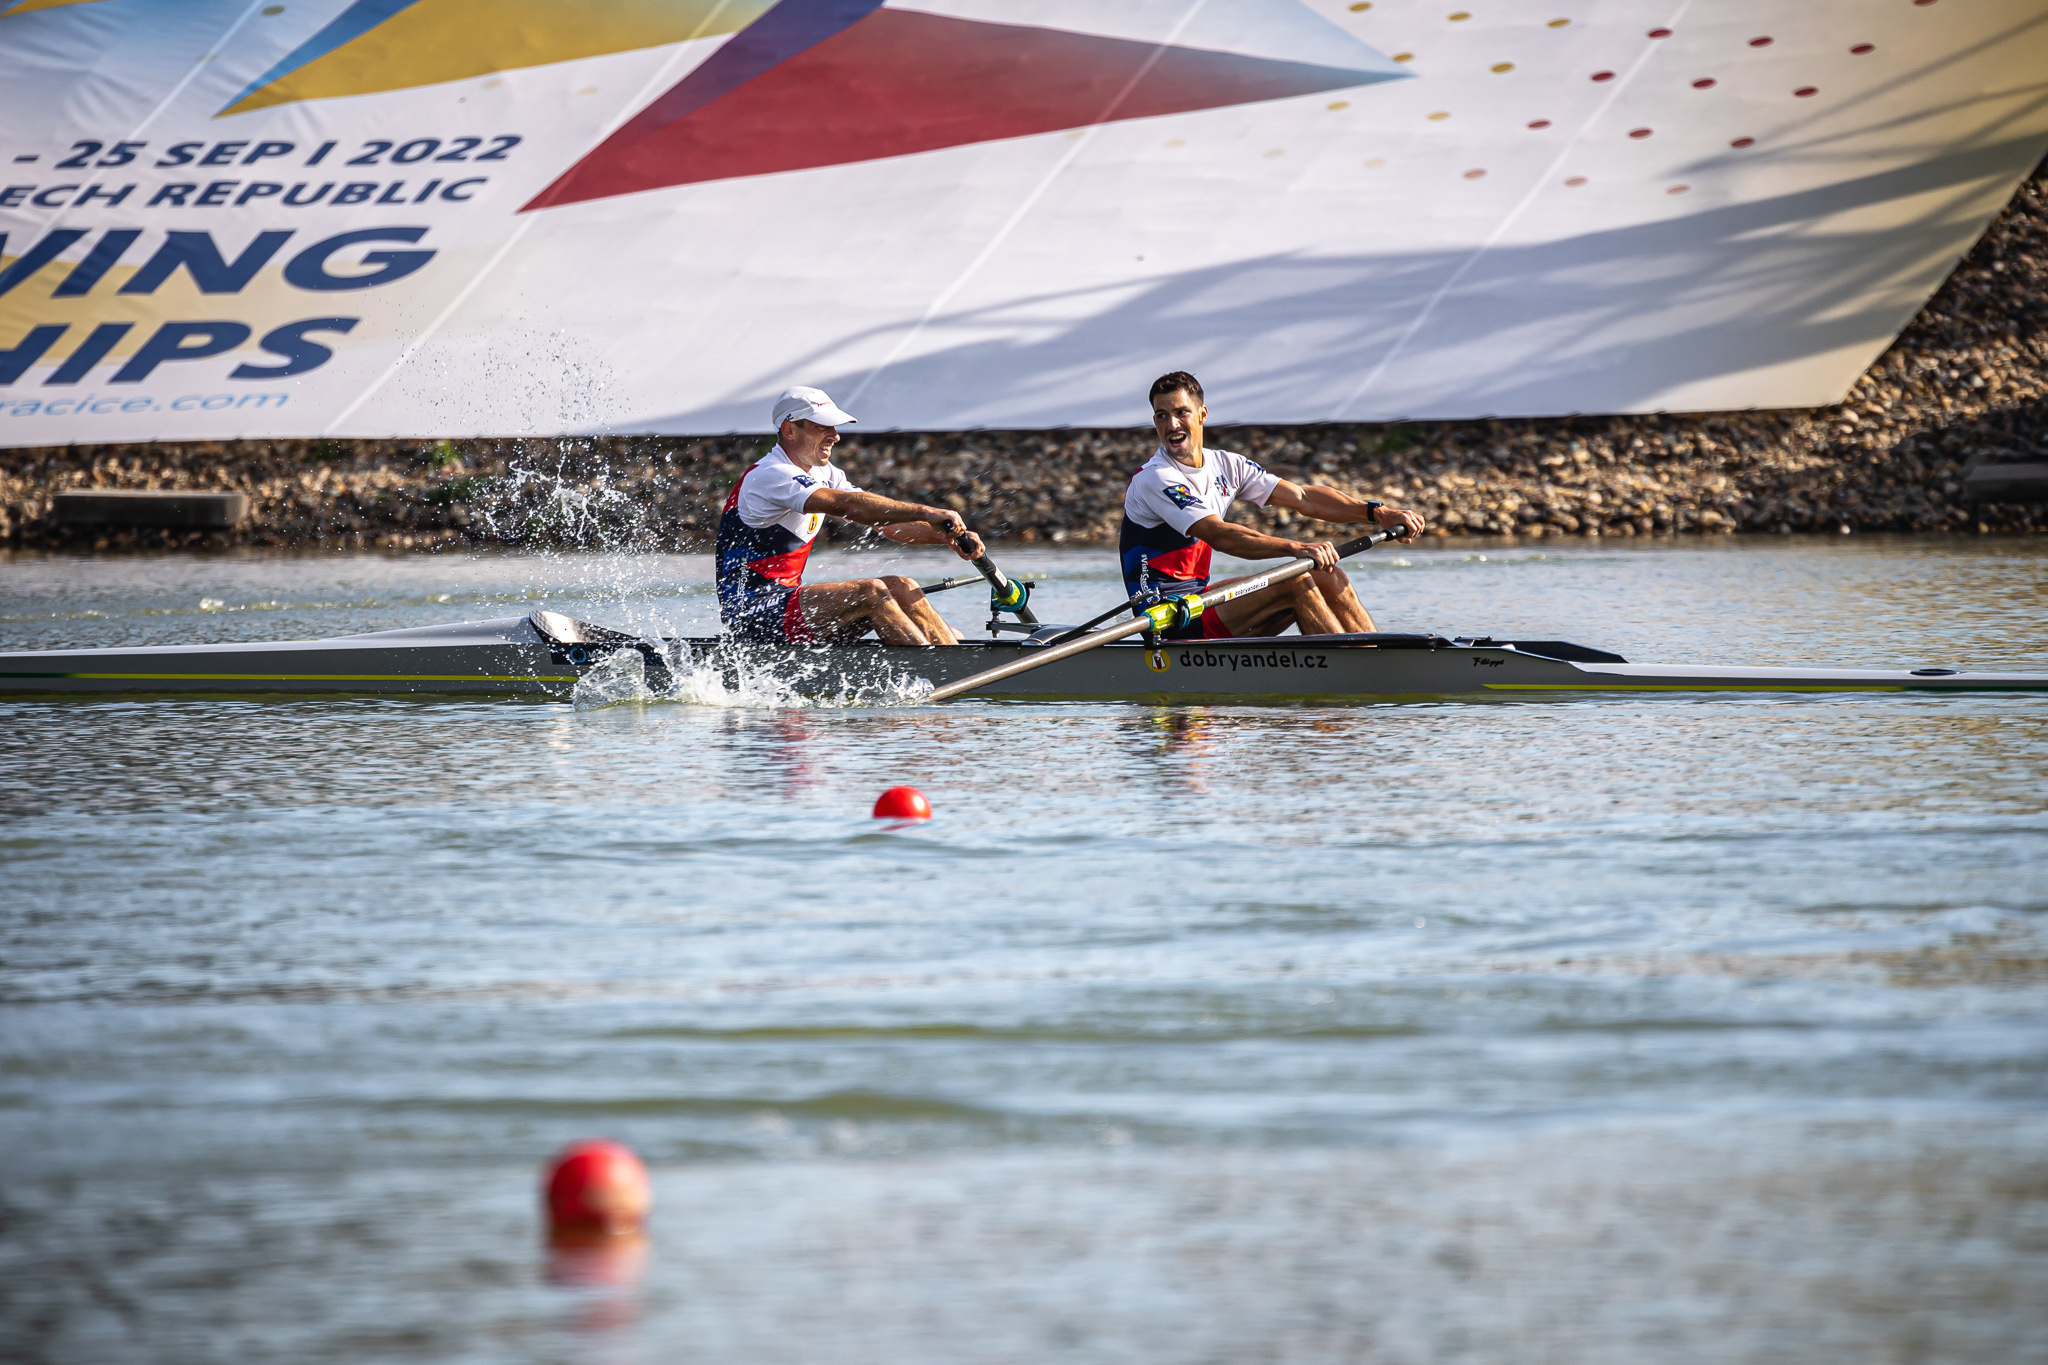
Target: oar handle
1213	596
1367	541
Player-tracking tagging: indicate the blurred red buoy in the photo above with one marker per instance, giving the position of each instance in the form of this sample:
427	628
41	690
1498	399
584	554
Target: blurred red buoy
902	803
598	1186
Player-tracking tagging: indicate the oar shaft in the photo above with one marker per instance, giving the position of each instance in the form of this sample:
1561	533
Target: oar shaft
1038	659
1214	597
999	583
1208	595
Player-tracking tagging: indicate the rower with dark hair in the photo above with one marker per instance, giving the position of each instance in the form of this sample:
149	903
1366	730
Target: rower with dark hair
1173	519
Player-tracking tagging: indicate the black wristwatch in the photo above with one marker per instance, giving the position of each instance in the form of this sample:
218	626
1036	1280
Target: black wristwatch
1372	507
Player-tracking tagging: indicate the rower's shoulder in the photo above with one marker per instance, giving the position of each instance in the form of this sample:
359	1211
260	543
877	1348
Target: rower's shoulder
1157	467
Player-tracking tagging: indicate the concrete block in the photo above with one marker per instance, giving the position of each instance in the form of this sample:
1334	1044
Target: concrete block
172	508
2006	483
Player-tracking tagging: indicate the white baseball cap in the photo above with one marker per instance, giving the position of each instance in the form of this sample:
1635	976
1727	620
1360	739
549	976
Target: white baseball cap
807	404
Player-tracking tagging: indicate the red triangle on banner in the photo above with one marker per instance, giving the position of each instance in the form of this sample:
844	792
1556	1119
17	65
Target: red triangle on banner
901	81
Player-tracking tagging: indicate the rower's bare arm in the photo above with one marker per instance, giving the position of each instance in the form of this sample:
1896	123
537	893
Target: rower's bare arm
967	545
908	523
1333	504
1246	543
872	509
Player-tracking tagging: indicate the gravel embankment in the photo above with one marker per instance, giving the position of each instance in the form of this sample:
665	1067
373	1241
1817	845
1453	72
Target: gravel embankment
1966	383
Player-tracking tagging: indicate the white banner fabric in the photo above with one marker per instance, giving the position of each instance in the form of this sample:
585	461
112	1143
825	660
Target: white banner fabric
422	218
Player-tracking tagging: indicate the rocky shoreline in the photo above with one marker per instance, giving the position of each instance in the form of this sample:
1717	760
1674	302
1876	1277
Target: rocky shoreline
1965	384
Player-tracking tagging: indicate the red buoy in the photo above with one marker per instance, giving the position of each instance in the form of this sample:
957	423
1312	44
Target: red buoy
902	803
598	1186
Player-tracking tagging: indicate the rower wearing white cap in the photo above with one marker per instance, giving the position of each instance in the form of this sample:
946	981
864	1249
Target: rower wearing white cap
774	515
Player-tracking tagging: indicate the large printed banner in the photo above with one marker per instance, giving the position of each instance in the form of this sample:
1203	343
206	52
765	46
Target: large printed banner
504	217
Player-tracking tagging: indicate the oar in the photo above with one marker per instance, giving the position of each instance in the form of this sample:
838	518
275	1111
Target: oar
1157	617
1006	595
1076	632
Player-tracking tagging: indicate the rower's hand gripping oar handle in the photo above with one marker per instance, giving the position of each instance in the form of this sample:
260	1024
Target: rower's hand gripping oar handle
1159	616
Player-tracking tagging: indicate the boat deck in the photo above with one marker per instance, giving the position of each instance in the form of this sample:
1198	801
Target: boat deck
545	654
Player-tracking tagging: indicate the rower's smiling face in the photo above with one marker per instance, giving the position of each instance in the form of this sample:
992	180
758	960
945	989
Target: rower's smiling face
1178	418
808	443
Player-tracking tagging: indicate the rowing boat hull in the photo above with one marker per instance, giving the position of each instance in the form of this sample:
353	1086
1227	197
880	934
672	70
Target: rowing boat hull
506	657
1328	668
514	657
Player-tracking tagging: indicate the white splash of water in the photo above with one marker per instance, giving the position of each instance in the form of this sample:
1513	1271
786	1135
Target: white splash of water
737	682
620	677
606	545
562	504
805	681
710	682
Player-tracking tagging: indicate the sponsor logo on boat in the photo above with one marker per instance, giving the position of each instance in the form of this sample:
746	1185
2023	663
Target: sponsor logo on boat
1234	660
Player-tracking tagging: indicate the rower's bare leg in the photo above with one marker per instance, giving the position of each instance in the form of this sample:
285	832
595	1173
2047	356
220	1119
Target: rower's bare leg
1265	612
1312	615
919	609
1341	600
839	613
1304	602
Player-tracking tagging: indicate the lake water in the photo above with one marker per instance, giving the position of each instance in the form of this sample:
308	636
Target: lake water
1634	1028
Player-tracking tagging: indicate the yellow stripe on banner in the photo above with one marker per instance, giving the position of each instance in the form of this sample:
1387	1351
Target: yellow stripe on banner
30	6
1697	687
433	41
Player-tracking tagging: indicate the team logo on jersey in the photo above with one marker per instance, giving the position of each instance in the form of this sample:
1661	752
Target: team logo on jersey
1183	497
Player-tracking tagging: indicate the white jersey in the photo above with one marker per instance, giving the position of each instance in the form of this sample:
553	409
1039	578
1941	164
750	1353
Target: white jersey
1165	498
1169	492
774	491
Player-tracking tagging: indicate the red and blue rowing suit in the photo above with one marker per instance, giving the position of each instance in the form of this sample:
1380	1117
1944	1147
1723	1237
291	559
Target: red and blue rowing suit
1165	498
764	537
